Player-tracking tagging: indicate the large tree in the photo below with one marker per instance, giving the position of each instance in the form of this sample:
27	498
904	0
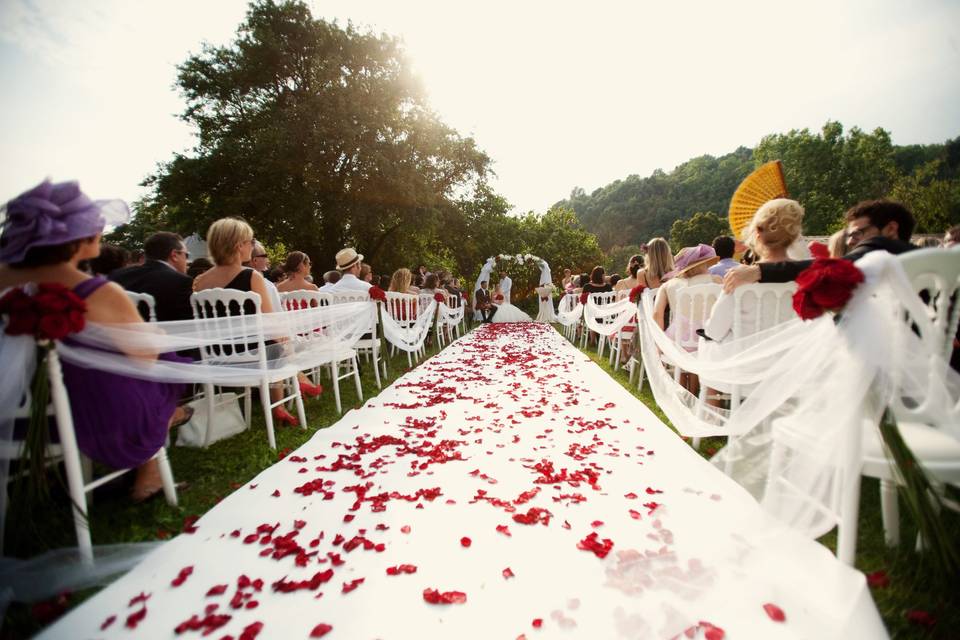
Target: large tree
320	137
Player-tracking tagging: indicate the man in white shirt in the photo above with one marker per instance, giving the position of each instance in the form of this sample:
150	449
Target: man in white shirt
330	278
505	285
348	264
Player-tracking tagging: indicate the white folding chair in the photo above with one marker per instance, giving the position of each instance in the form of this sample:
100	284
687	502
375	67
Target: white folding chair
600	300
145	304
241	313
622	337
635	364
369	344
78	468
402	308
937	273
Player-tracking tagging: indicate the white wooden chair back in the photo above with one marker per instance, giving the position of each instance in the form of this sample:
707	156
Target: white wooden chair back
241	310
145	304
402	307
303	299
424	300
773	303
934	273
694	304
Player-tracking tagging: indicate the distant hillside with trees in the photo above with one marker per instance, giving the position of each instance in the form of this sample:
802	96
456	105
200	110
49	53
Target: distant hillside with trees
827	171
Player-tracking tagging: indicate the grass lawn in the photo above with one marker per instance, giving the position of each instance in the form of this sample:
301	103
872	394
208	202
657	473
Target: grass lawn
215	472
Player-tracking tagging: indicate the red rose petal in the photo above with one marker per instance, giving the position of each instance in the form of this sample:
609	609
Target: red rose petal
276	493
878	579
136	618
447	597
504	529
508	573
465	542
405	529
106	623
537	623
353	584
321	630
217	590
635	514
776	613
921	618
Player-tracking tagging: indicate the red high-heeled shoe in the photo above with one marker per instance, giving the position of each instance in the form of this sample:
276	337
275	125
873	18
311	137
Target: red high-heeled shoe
310	390
282	416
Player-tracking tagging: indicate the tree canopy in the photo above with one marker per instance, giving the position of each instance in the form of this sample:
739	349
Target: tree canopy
826	171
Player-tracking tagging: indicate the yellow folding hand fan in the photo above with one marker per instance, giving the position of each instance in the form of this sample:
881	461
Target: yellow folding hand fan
761	186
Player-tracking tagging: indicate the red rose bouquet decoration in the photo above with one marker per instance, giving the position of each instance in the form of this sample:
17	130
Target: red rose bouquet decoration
583	297
819	250
378	294
636	292
52	313
826	285
439	297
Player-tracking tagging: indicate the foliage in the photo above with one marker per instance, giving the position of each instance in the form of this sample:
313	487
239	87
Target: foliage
615	260
147	219
827	171
319	136
702	227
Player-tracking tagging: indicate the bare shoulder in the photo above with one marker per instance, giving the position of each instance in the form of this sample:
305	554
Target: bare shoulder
110	303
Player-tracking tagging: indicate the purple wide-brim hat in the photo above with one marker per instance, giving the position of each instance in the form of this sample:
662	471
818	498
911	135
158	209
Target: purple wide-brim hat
691	257
52	214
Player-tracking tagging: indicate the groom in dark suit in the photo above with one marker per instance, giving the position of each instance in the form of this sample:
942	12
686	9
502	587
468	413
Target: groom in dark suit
483	304
162	275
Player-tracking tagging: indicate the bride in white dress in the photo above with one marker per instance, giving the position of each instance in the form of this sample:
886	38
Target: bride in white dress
506	312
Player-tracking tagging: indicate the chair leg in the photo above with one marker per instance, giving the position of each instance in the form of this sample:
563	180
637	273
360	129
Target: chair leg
267	412
376	367
166	476
890	512
248	406
356	379
335	378
208	390
298	399
695	443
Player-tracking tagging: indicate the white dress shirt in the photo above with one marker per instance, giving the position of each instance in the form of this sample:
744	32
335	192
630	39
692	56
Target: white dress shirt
350	283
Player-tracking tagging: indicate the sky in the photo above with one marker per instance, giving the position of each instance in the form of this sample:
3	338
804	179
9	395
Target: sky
559	94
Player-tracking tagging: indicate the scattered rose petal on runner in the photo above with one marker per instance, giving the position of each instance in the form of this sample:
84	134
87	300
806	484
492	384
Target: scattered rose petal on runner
136	617
106	623
447	597
465	542
182	576
508	573
353	584
594	544
321	630
776	613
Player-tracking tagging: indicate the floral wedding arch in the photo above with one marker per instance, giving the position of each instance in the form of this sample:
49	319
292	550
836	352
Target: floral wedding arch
522	259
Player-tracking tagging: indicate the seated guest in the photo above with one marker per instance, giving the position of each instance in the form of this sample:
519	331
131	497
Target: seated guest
775	226
366	273
400	282
330	278
657	261
567	283
837	244
597	282
628	283
929	243
137	257
198	266
260	261
230	242
725	248
112	258
613	280
119	421
349	264
297	268
430	284
691	268
384	282
484	303
872	225
259	257
952	237
162	275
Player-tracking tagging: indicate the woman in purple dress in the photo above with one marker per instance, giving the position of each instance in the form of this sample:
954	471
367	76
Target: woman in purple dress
121	422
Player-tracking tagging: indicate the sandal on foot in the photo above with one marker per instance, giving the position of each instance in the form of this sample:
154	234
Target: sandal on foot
282	416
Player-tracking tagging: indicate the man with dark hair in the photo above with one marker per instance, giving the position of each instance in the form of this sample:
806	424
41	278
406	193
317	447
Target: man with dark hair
725	248
483	303
872	225
162	275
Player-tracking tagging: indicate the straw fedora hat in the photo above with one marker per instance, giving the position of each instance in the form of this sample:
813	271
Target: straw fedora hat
692	257
346	258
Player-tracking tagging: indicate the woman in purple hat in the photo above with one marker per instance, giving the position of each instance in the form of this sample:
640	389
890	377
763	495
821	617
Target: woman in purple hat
121	422
690	268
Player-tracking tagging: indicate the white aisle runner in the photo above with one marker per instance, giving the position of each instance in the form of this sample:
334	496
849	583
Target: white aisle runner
512	477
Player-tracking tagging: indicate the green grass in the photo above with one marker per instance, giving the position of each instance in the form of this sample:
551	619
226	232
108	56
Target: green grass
215	472
913	582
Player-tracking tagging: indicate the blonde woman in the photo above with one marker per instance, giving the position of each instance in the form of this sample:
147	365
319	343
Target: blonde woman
775	226
837	244
402	280
657	264
297	268
230	243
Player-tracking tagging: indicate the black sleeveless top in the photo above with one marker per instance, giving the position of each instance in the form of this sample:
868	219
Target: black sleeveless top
241	282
